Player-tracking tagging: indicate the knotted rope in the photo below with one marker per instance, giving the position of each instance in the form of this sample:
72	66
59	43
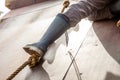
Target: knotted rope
65	5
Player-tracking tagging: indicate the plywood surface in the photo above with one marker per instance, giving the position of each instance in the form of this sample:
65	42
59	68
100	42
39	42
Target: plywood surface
97	59
17	31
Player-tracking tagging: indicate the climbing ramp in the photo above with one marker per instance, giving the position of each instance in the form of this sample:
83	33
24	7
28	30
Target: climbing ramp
92	52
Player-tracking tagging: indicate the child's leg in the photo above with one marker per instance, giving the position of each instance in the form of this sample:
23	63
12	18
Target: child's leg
55	30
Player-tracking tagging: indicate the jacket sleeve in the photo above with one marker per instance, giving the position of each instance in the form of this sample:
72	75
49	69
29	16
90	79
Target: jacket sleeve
83	9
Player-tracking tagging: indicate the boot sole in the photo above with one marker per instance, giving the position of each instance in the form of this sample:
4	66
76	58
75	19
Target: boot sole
33	50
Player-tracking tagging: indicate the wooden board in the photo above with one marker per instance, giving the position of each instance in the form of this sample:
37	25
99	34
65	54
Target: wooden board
97	59
35	8
17	31
14	4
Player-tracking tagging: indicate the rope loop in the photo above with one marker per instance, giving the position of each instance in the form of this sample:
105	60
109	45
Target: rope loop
34	59
66	3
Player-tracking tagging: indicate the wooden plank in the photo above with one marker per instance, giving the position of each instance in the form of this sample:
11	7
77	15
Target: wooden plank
35	8
15	32
14	4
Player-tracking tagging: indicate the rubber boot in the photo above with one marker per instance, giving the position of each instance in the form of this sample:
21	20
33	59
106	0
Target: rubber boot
55	30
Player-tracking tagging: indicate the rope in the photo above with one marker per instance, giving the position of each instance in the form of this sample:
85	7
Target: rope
75	66
32	61
73	58
65	5
18	70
